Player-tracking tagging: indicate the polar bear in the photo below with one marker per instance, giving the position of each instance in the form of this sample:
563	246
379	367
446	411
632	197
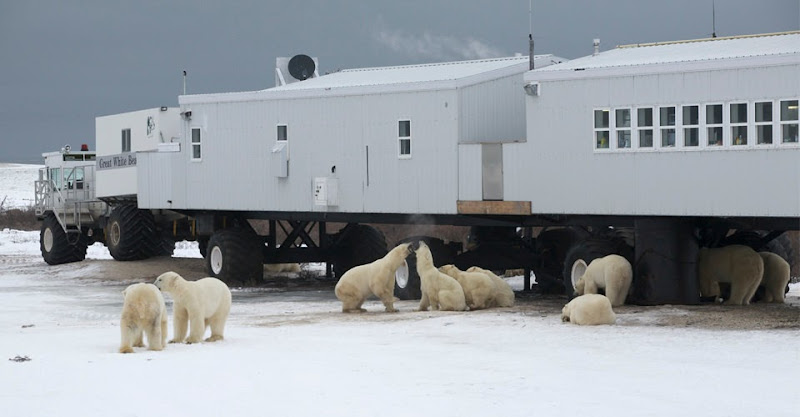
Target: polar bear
439	290
479	289
143	311
589	309
277	268
775	278
504	297
375	278
612	272
197	304
739	265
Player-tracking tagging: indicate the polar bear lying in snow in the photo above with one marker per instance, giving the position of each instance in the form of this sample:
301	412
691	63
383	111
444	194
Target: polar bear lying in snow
198	305
439	291
589	309
143	311
738	265
479	289
375	278
504	297
612	272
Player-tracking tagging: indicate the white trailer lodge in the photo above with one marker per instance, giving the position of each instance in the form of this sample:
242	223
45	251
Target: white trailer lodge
649	151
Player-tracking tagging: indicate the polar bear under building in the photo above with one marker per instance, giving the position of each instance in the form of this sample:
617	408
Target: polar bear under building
589	309
376	278
613	273
738	265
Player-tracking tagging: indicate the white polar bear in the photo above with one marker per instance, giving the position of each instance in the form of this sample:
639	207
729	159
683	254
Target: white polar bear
589	309
739	265
286	267
776	277
439	290
198	305
375	278
504	297
479	289
143	311
612	272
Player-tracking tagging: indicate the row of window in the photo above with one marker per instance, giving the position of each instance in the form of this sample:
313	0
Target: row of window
696	126
404	139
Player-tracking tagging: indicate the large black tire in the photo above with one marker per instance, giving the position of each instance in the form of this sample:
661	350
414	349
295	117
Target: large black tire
552	246
56	246
235	255
131	234
588	250
202	245
357	244
408	287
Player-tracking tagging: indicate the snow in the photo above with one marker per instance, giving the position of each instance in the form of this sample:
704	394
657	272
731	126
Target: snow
296	354
17	186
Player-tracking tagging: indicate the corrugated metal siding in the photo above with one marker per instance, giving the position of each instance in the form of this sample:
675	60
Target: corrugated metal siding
493	111
560	173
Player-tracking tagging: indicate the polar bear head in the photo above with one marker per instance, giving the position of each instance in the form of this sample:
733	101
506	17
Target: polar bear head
423	252
166	281
449	269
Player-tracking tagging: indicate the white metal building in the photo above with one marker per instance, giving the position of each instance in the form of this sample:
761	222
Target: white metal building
706	127
406	139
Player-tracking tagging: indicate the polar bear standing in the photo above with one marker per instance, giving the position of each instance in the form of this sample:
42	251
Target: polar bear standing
504	297
739	265
612	272
197	305
776	277
439	290
278	268
376	278
143	312
589	309
479	289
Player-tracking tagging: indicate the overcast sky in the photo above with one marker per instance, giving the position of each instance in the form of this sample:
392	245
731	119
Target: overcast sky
65	62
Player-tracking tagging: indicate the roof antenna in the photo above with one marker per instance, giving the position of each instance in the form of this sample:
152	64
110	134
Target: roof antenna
530	34
713	20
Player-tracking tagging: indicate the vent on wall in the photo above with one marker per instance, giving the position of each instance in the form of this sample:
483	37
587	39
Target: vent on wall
294	69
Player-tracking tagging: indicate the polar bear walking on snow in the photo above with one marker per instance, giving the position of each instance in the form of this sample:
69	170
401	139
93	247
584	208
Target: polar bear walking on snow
589	309
479	289
739	265
776	277
612	272
439	290
197	305
504	297
143	311
375	278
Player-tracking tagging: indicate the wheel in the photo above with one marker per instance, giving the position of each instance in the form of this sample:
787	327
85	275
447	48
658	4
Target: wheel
57	247
357	244
165	246
584	252
552	246
407	283
131	233
202	244
234	255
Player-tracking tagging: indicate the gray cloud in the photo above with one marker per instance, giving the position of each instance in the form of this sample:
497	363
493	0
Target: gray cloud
436	47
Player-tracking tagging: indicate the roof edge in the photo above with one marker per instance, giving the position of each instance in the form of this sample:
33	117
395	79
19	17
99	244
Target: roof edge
723	38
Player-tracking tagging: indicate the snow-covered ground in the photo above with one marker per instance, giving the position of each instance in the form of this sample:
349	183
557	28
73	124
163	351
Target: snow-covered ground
17	185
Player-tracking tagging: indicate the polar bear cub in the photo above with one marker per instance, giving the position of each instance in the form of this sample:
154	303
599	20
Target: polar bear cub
504	297
612	272
776	277
479	289
375	278
739	265
589	309
439	290
143	311
197	305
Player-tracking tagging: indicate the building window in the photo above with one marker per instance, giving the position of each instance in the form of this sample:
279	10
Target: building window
126	140
739	124
714	124
282	134
196	154
601	129
789	121
763	123
691	126
404	136
644	121
623	125
666	120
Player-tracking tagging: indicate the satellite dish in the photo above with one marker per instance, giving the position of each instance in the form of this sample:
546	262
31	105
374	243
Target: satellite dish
302	67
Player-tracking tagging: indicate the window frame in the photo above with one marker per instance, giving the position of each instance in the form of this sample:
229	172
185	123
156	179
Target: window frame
126	140
651	127
707	126
787	122
738	124
285	132
198	144
596	130
617	129
401	139
673	127
697	127
771	123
